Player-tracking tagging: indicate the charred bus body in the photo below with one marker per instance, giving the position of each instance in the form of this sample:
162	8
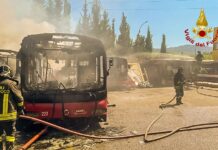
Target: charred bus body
63	76
160	72
118	74
208	75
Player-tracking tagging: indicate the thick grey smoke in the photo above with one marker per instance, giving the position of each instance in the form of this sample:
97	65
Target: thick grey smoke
17	21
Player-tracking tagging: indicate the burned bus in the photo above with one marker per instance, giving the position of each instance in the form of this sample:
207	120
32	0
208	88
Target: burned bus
63	76
160	72
208	74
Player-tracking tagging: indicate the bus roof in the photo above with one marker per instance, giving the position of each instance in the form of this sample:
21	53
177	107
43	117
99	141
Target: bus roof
8	51
61	40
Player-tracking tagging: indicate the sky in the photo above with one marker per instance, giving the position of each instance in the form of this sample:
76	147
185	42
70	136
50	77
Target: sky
170	17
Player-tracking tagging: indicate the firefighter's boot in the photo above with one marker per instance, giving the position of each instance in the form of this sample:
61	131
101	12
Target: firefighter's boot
178	101
9	145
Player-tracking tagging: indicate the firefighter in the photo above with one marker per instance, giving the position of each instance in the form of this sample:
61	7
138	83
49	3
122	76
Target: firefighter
199	57
11	105
179	81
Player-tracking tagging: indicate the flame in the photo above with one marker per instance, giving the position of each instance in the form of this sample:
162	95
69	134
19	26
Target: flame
202	20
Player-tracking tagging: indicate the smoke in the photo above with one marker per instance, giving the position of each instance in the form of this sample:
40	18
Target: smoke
16	23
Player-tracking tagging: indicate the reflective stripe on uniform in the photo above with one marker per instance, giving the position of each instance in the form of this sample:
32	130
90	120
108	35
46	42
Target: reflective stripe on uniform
10	138
8	116
5	104
20	104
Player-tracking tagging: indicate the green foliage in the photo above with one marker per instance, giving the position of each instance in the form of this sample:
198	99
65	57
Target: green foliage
148	41
95	18
139	44
163	44
67	16
96	25
55	12
106	34
113	35
124	37
83	26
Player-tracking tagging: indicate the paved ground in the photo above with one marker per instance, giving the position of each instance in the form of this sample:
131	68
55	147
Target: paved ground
134	111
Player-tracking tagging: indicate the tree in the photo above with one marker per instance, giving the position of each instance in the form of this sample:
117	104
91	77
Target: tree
139	44
105	31
58	14
96	15
67	16
50	10
83	26
38	9
104	24
163	44
148	41
124	37
113	34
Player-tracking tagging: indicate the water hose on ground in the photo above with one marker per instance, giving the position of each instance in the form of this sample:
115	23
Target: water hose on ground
197	89
33	139
165	104
186	128
201	87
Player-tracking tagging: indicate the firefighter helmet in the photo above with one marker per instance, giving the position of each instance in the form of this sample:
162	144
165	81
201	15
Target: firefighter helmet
5	70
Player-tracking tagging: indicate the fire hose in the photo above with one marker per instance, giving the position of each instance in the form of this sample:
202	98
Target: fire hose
32	140
167	132
165	104
206	94
177	129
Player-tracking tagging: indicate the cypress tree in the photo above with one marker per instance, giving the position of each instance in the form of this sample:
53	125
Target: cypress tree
105	30
58	14
139	44
95	23
124	37
163	44
104	24
148	41
113	34
83	26
67	16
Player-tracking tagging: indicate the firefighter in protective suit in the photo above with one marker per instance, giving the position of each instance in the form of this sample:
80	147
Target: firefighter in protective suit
179	81
11	105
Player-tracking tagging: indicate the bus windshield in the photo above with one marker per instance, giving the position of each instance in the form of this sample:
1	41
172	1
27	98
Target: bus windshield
64	70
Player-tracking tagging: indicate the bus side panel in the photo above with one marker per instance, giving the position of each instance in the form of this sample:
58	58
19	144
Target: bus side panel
68	110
